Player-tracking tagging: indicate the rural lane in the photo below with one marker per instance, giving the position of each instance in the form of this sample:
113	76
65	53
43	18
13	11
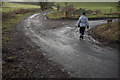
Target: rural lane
60	43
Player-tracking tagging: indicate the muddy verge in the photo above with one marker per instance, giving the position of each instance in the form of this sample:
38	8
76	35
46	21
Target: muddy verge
68	18
105	42
21	60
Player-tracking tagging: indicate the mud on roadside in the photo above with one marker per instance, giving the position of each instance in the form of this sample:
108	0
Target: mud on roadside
105	42
21	60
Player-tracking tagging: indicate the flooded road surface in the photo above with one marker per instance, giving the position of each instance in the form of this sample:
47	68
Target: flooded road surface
60	43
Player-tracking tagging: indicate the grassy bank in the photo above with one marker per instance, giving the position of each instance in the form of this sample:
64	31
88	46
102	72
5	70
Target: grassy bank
8	26
13	13
57	15
107	33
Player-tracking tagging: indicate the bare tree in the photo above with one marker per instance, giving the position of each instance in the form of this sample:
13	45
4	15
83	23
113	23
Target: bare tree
45	5
2	4
58	6
65	4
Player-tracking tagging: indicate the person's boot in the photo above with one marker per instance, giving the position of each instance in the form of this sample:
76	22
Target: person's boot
81	37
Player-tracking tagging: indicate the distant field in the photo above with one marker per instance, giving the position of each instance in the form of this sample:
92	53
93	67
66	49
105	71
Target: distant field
15	6
104	6
107	9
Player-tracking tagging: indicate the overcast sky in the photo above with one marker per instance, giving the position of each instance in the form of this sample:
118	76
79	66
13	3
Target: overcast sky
62	0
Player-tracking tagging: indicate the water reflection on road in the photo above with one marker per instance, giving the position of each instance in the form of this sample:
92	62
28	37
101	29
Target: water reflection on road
81	58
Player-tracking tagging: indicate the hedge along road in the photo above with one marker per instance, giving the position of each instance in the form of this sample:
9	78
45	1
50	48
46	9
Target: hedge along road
60	43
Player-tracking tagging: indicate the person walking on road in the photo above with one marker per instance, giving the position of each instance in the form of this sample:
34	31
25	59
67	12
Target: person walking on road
82	24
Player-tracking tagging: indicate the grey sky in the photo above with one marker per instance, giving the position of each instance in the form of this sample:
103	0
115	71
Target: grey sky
62	0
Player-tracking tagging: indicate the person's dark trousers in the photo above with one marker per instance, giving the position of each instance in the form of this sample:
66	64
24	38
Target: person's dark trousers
82	30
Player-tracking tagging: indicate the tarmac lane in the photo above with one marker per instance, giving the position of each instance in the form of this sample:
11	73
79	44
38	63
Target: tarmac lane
59	40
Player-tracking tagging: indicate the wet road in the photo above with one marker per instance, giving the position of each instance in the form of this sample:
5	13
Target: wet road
59	40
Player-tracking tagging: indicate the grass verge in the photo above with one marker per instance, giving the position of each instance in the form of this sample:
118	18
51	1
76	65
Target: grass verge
103	6
108	34
8	26
108	31
57	15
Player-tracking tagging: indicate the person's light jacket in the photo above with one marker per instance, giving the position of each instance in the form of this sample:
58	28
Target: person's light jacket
83	21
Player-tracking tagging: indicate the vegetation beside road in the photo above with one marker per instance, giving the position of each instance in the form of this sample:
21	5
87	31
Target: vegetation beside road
73	10
8	26
12	13
108	34
109	31
57	15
